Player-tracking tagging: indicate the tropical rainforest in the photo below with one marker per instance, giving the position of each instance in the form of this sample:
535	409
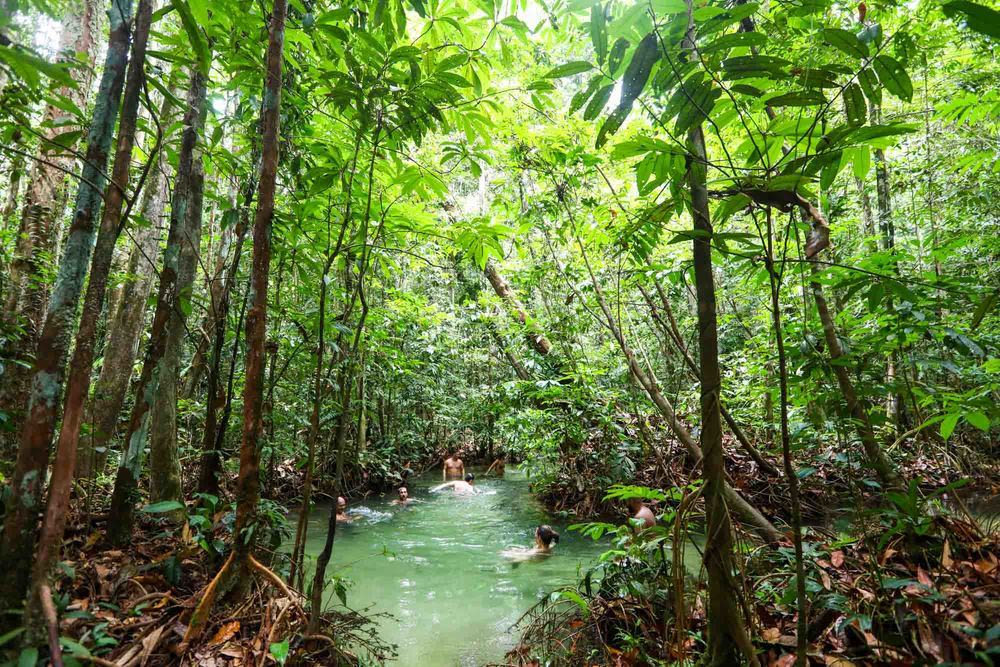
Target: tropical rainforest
733	261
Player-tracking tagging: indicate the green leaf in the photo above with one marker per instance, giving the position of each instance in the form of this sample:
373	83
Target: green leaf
637	73
599	32
75	647
163	506
979	420
801	98
597	104
195	36
568	69
979	18
845	41
749	67
893	77
948	424
732	41
869	84
581	97
28	657
7	636
855	107
861	161
279	651
617	54
611	125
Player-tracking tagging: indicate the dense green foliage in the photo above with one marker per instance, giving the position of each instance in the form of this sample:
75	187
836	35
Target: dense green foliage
482	239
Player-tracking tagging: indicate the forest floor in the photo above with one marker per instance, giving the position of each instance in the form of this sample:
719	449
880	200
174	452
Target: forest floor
131	607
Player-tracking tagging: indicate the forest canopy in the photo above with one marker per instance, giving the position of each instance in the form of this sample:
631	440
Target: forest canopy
732	261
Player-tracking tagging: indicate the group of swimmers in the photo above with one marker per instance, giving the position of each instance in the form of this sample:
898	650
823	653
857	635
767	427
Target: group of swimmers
463	483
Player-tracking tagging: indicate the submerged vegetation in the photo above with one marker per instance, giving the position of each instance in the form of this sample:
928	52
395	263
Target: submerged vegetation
736	260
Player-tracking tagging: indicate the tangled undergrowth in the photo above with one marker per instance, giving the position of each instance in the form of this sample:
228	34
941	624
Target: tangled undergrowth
131	608
908	583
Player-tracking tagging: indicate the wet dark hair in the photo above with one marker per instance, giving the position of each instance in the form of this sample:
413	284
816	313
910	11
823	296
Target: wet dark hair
547	535
469	477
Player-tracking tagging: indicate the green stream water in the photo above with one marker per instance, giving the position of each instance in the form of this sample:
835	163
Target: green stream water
453	598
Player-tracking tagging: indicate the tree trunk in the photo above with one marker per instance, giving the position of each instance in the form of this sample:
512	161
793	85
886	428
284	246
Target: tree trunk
323	559
535	338
791	476
248	482
164	463
302	526
47	371
873	452
211	457
727	635
125	328
27	291
78	385
673	333
747	512
169	299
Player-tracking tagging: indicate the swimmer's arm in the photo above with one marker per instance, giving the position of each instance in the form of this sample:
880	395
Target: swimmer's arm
442	486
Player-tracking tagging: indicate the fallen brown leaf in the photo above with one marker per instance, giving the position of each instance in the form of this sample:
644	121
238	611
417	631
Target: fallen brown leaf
225	632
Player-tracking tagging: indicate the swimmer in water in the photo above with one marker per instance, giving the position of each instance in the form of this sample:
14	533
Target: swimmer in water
545	540
460	487
639	511
342	510
404	497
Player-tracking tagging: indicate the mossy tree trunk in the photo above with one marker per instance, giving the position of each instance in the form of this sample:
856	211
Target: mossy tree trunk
20	526
169	300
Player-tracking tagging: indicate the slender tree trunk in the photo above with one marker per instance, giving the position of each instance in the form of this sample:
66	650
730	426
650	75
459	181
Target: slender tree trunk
747	512
323	559
164	464
78	384
302	527
786	450
211	457
248	482
27	291
673	333
47	371
894	402
887	474
126	327
535	338
727	635
169	299
7	218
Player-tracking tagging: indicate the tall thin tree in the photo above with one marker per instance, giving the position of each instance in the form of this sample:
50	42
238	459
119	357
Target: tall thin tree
20	526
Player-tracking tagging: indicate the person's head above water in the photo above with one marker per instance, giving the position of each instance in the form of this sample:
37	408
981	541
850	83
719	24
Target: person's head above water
403	493
469	477
341	504
546	537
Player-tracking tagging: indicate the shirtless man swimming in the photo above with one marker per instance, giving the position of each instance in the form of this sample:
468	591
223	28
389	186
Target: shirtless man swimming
342	510
454	467
460	487
640	511
545	539
404	497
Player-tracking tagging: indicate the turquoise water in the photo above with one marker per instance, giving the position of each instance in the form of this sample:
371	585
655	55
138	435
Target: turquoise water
436	567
